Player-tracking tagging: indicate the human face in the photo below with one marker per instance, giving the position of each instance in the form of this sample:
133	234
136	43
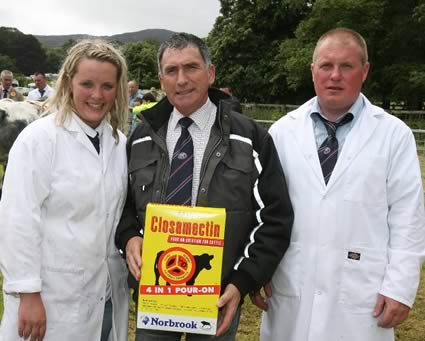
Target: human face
40	82
94	89
6	82
185	78
338	74
132	88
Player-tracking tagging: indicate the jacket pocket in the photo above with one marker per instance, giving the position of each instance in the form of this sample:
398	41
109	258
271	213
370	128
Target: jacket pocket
241	163
366	182
232	184
62	293
142	175
362	276
287	279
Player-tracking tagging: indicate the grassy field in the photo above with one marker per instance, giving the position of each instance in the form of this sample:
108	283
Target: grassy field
413	329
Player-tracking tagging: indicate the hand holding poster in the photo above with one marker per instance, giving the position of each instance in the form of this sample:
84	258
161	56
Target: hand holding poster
181	272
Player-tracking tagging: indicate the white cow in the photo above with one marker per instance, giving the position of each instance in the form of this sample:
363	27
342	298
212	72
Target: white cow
15	116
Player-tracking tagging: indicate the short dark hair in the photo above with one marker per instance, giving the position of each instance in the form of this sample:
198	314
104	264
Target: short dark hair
149	97
39	73
182	40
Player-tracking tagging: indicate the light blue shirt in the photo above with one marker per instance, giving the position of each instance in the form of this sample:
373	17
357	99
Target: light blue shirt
131	98
320	132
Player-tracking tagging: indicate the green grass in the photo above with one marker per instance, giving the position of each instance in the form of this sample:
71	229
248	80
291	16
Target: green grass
413	329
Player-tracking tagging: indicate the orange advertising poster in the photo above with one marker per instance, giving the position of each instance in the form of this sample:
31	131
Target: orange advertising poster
181	272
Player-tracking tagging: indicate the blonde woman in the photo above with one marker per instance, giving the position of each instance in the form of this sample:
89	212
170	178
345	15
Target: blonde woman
63	194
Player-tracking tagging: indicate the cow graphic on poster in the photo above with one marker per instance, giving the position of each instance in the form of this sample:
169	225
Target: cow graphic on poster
178	266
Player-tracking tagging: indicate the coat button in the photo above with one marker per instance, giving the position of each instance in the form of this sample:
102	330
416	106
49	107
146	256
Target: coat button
218	154
203	190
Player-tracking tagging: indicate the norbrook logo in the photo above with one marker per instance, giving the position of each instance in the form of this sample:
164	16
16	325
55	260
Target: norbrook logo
156	321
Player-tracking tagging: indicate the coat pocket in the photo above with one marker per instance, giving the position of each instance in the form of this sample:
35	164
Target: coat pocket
287	279
366	182
362	276
62	293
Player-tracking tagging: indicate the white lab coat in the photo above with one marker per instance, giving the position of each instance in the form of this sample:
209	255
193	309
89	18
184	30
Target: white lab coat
372	208
58	215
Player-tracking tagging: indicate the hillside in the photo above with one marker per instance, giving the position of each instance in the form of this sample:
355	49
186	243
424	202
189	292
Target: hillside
59	40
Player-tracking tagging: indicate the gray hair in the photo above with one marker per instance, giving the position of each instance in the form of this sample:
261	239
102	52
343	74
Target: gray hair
182	40
6	73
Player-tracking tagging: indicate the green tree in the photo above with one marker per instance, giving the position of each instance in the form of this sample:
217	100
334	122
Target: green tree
7	63
244	40
141	60
295	55
25	49
55	58
396	50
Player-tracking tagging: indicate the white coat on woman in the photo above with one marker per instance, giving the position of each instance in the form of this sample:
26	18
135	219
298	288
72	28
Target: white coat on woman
360	235
61	204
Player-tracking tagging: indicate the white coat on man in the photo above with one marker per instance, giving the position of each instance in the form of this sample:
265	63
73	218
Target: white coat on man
61	204
360	235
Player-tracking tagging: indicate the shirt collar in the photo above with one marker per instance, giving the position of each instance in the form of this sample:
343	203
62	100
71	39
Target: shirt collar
355	109
200	117
87	129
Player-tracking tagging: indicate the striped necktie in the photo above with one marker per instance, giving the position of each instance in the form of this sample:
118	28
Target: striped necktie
328	150
179	189
5	93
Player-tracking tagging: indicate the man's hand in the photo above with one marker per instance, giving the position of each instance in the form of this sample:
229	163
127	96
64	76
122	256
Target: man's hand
391	312
228	304
133	251
259	300
31	317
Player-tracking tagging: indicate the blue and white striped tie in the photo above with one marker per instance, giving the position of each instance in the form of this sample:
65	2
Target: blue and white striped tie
328	150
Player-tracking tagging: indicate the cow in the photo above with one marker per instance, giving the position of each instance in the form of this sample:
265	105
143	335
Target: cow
201	262
14	117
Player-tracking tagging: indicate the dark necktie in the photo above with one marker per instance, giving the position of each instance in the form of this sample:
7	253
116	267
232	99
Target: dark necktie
96	142
179	189
41	92
5	93
328	151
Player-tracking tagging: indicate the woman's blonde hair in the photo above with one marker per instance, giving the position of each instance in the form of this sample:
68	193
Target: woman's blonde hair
102	51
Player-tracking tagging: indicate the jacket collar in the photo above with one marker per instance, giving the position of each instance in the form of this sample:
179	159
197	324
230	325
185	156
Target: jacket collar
108	142
158	115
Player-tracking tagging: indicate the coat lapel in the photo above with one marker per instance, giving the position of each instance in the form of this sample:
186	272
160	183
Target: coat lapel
108	144
357	139
72	125
302	129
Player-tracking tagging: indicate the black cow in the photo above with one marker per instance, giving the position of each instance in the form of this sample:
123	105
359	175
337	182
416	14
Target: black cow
201	262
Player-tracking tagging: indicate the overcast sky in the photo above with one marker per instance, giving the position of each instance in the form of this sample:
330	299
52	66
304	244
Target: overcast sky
108	17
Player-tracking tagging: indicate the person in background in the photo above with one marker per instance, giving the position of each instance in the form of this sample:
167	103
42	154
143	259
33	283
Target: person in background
6	88
133	92
42	90
63	194
353	266
140	104
241	173
132	119
148	101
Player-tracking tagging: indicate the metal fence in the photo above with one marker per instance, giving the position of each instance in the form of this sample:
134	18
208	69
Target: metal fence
269	113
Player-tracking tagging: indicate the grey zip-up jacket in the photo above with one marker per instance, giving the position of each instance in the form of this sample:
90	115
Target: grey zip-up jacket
240	172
